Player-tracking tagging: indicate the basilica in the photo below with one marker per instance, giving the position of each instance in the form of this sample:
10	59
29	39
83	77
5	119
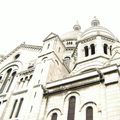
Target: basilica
75	76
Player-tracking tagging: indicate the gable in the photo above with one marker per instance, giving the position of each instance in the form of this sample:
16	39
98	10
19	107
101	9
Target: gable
50	36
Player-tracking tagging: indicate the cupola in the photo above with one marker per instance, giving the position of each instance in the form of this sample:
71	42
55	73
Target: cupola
95	22
72	35
94	47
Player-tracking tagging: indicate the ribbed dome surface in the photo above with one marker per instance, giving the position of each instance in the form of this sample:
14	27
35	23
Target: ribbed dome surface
97	30
72	35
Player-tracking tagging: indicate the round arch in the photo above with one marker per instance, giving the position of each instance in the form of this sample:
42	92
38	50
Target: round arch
84	107
66	103
51	112
18	64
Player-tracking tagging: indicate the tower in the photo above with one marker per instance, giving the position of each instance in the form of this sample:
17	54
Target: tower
70	77
94	47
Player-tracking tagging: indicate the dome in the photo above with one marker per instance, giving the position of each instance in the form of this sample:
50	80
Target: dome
72	35
96	29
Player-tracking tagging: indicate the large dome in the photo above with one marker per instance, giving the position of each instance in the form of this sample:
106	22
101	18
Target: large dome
96	29
72	35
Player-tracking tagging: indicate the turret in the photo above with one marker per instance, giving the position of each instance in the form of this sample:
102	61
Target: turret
94	47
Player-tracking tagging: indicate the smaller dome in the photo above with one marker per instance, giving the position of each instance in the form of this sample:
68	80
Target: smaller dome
95	22
77	26
72	35
96	29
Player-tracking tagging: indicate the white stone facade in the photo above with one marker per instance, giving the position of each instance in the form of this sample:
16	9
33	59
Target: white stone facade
38	82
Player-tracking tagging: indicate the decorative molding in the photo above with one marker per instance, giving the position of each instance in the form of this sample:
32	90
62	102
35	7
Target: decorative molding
23	45
90	38
33	47
20	92
80	84
26	72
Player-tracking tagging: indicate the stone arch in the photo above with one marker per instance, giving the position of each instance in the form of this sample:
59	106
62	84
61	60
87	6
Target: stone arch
9	72
88	103
85	106
55	110
66	103
44	59
18	64
71	93
67	61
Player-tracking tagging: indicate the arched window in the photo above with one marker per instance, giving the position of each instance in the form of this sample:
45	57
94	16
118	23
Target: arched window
13	109
48	46
86	51
26	77
21	80
13	76
21	83
92	46
44	59
5	81
19	107
30	76
67	61
105	48
71	108
41	70
54	116
0	77
59	49
17	56
110	50
89	113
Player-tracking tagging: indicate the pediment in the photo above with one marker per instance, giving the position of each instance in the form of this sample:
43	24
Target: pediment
50	36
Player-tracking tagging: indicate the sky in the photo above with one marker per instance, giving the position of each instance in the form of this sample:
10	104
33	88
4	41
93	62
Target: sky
30	21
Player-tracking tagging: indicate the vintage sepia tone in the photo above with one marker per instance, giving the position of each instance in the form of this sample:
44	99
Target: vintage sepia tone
75	76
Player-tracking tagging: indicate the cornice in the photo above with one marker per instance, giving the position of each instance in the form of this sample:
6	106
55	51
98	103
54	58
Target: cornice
10	54
23	45
84	76
33	47
82	80
90	38
28	71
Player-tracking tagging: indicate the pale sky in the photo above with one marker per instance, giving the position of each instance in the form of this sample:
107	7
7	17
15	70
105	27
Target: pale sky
31	21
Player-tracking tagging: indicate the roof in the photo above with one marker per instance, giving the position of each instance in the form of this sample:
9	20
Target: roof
96	29
72	35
